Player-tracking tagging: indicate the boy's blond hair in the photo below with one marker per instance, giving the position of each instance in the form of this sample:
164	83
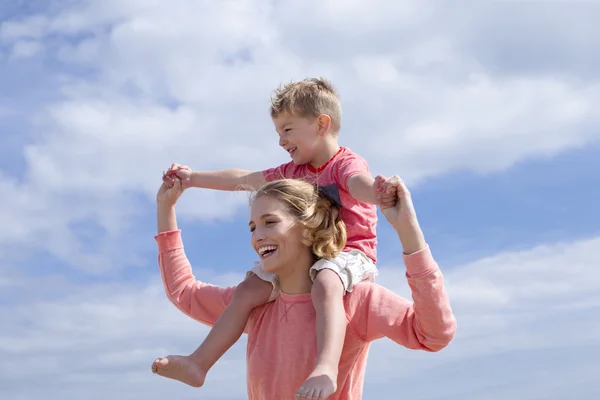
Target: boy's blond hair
308	98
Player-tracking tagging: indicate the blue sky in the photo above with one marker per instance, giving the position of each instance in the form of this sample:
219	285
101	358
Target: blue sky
489	112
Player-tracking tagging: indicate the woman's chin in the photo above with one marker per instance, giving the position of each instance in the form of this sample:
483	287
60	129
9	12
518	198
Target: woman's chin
270	267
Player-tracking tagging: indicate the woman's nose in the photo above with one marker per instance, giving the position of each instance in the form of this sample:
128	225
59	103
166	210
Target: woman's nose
258	235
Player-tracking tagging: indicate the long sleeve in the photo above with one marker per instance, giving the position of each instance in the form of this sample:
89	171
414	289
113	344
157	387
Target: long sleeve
201	301
426	324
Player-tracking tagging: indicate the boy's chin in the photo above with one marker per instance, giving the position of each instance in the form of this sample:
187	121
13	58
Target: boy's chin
299	161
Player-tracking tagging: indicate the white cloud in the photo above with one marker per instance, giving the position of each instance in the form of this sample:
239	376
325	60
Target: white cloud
73	338
544	300
177	82
25	48
31	27
427	89
486	126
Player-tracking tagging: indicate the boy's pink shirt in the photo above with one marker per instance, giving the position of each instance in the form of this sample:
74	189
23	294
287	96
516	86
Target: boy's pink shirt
360	218
282	350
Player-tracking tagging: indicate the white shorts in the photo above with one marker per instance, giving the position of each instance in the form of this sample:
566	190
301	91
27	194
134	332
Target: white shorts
352	267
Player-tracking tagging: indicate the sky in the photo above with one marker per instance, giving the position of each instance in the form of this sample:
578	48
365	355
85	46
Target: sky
488	110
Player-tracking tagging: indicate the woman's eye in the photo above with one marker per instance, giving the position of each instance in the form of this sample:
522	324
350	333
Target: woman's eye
269	222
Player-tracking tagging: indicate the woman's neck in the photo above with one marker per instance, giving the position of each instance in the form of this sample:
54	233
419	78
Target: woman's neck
298	280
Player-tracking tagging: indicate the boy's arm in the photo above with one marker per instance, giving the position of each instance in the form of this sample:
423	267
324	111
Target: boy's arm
230	180
378	191
354	176
362	188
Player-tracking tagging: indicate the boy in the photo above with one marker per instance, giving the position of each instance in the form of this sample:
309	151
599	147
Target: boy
307	117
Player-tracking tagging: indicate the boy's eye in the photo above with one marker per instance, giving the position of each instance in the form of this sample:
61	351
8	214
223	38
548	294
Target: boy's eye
252	229
269	222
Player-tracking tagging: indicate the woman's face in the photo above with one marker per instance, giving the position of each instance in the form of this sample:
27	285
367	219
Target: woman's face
276	235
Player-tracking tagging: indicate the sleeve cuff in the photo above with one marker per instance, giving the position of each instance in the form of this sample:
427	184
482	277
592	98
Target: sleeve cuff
170	240
419	263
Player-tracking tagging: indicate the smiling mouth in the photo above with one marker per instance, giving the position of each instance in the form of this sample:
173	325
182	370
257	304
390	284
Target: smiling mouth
266	251
292	151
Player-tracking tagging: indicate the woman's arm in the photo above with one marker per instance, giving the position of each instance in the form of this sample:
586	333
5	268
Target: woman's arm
428	323
166	218
201	301
425	324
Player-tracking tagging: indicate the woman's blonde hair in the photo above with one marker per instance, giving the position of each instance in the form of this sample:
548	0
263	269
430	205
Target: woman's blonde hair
325	231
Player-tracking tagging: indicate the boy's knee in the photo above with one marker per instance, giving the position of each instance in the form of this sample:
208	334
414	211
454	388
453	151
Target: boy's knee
253	292
327	284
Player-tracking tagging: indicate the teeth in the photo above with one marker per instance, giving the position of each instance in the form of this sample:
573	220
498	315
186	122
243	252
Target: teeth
263	249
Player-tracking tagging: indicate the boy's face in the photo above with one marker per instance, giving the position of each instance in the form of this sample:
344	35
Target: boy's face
298	136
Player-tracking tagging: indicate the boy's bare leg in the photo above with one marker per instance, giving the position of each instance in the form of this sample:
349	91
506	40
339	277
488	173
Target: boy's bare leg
192	369
327	297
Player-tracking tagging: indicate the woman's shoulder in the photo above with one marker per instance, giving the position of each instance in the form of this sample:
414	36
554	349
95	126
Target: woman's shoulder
359	304
361	295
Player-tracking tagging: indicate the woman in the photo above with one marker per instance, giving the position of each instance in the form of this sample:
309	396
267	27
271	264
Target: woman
292	224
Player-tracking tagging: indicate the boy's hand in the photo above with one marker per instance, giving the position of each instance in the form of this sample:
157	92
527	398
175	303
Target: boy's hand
401	213
403	218
385	191
177	171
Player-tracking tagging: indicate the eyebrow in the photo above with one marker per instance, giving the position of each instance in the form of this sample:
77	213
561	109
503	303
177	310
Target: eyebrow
262	217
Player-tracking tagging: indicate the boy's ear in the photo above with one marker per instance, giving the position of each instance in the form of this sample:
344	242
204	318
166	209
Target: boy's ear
324	123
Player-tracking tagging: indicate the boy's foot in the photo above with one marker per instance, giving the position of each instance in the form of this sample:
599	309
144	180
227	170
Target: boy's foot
319	385
181	368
